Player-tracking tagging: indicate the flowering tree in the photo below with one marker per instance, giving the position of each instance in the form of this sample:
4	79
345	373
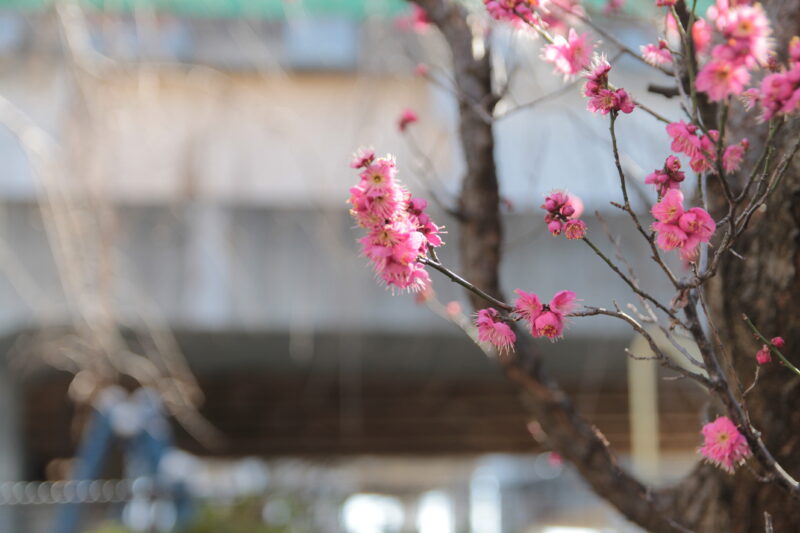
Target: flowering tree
738	78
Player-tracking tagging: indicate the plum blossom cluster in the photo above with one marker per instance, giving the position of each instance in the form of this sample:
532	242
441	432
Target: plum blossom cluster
724	446
779	93
569	55
399	230
668	177
563	212
681	229
745	44
701	149
764	355
514	10
545	320
602	98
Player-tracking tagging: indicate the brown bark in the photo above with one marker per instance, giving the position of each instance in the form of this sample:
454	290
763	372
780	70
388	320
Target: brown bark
480	245
481	232
765	285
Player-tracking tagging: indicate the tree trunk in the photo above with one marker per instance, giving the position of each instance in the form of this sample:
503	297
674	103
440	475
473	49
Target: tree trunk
480	226
766	286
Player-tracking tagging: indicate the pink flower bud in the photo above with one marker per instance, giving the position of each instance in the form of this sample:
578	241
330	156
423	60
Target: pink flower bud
763	356
407	117
567	210
777	342
672	163
554	227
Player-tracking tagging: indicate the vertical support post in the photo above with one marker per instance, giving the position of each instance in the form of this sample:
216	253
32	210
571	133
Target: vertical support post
643	411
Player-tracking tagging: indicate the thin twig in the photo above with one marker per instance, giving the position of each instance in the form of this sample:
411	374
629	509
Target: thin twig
663	358
772	347
464	283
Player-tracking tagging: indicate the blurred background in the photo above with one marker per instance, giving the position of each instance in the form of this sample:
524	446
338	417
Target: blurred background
193	342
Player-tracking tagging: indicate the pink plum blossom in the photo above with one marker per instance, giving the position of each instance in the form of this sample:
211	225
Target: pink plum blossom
706	155
602	98
546	320
549	324
780	92
563	302
527	306
744	35
569	55
670	208
513	10
750	98
681	229
657	54
720	78
683	137
745	31
362	158
575	229
688	140
669	236
493	330
733	156
723	445
701	34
